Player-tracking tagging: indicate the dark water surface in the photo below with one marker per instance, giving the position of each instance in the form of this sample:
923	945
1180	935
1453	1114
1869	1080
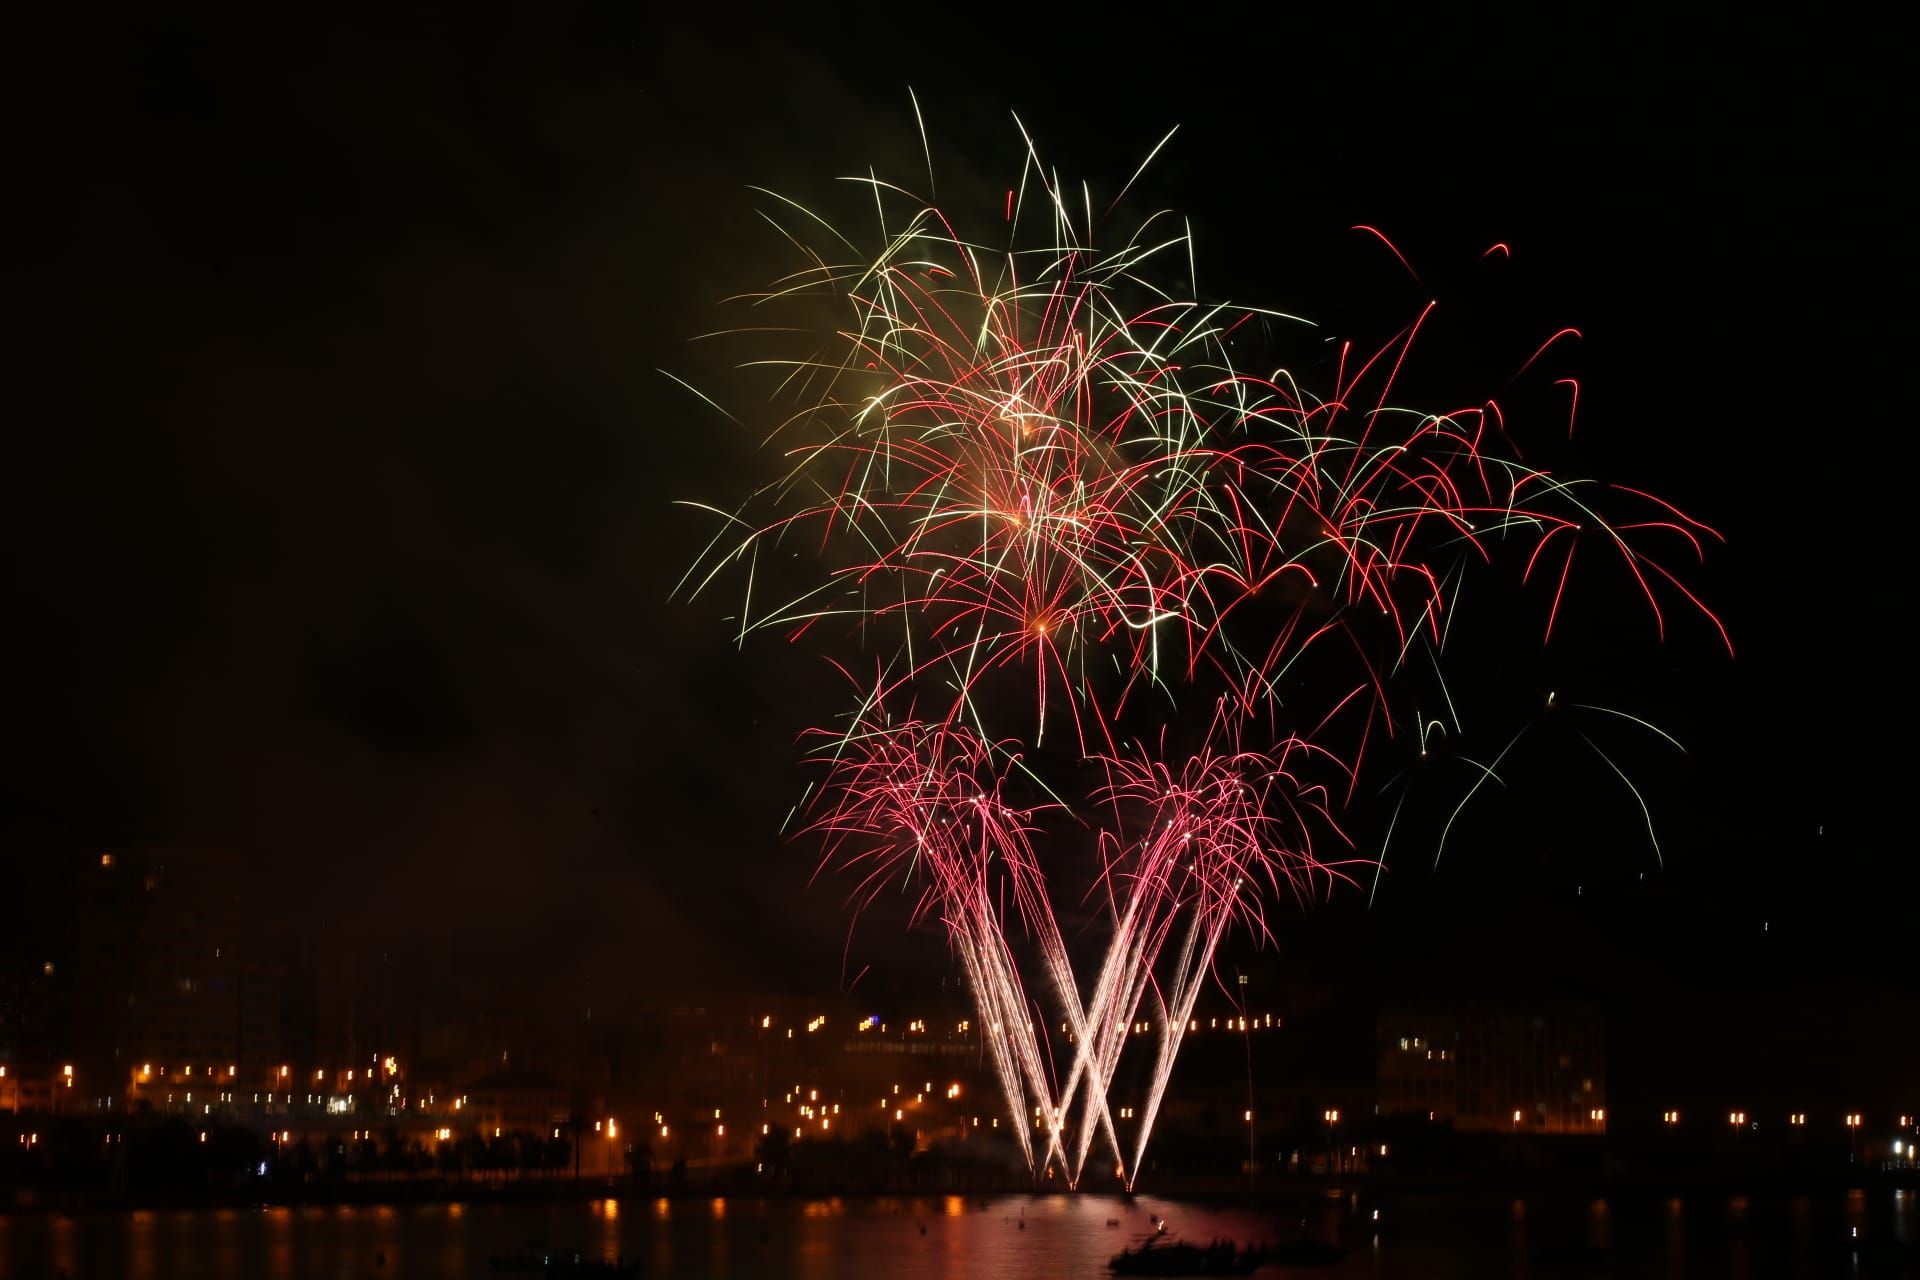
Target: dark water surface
970	1238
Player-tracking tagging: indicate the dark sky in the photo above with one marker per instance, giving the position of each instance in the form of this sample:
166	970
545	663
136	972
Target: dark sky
339	524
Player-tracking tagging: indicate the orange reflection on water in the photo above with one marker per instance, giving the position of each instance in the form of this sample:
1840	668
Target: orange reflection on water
65	1260
143	1259
608	1211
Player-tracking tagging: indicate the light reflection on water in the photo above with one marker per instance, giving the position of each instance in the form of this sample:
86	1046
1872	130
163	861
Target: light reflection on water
964	1237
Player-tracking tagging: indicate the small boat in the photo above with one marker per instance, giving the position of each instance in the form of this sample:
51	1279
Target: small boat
1160	1256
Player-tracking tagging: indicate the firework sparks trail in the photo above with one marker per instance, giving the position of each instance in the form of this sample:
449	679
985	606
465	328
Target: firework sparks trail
908	797
1207	832
1215	841
1038	487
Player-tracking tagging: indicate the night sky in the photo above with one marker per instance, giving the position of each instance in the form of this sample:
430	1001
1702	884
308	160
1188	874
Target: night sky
340	523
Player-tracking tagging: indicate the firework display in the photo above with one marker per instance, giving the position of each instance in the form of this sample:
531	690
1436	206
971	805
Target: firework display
1132	614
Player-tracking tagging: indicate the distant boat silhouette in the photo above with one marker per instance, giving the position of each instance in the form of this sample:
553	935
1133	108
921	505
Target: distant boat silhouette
1157	1256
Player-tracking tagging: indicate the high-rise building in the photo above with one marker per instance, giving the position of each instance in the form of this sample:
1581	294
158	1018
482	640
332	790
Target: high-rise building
1529	1066
149	960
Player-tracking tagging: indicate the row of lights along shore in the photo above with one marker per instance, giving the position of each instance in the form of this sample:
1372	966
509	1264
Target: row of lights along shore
1795	1120
1735	1119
